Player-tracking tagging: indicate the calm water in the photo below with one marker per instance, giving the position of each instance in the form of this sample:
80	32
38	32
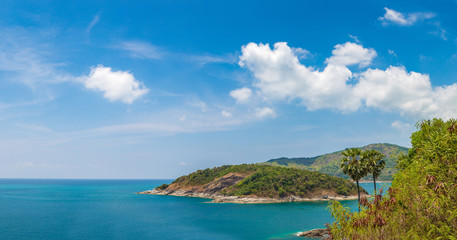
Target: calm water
110	209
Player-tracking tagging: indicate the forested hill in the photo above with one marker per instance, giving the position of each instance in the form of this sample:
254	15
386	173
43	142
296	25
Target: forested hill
255	180
330	163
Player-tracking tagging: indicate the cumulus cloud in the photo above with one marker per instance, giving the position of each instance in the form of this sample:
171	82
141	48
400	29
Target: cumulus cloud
241	95
115	85
280	76
394	89
351	53
394	17
265	112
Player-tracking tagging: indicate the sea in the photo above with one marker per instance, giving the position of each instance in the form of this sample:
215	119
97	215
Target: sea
110	209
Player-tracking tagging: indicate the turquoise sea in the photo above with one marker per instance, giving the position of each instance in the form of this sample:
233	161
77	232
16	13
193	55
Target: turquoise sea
110	209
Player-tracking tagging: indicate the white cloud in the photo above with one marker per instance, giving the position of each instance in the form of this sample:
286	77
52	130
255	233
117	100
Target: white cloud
391	52
208	59
226	114
401	125
141	50
351	53
34	128
301	53
355	38
116	85
397	18
27	56
241	95
92	23
394	89
440	31
394	17
183	118
280	76
265	112
199	104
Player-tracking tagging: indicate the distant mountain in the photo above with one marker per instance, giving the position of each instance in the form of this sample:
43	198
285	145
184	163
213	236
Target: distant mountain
330	163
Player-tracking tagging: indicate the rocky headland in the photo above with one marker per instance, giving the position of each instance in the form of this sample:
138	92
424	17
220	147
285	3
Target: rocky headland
258	184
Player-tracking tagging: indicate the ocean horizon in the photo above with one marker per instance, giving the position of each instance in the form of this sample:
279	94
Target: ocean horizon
111	209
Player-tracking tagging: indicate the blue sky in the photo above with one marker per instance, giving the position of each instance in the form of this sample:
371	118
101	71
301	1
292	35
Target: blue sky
157	89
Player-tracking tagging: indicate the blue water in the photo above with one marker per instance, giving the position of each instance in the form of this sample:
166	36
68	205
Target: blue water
110	209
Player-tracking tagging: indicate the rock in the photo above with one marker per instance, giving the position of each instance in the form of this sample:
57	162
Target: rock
222	182
315	233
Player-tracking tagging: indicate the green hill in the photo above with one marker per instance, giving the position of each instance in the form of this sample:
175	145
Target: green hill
254	180
330	163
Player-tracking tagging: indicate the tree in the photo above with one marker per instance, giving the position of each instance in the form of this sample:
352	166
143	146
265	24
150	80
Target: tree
374	163
353	166
421	203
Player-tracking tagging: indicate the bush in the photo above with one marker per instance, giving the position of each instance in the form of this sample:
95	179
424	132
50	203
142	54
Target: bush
162	187
421	203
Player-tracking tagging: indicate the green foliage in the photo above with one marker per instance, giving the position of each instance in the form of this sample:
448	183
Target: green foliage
163	186
330	163
342	216
355	165
205	176
374	164
352	164
270	181
421	203
299	161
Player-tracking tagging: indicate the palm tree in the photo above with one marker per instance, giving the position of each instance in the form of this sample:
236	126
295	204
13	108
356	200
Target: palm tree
352	166
374	164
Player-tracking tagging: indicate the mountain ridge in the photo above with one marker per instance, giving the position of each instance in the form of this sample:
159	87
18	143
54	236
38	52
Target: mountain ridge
329	163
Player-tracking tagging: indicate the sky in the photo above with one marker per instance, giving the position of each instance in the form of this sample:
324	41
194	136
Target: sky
158	89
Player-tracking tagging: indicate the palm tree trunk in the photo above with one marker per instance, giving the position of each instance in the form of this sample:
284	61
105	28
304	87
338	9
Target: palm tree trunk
358	192
374	180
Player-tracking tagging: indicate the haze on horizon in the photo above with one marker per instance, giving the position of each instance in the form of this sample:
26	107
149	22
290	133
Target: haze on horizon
160	89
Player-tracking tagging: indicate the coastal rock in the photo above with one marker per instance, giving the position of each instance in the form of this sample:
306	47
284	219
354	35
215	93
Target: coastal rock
315	233
223	182
218	198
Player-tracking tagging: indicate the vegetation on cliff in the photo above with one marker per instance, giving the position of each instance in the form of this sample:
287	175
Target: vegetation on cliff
265	181
421	204
330	163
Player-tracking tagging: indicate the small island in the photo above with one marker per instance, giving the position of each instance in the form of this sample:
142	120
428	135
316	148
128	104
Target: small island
255	183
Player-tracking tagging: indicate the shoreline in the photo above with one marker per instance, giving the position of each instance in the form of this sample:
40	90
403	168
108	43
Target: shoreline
319	233
217	198
372	181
